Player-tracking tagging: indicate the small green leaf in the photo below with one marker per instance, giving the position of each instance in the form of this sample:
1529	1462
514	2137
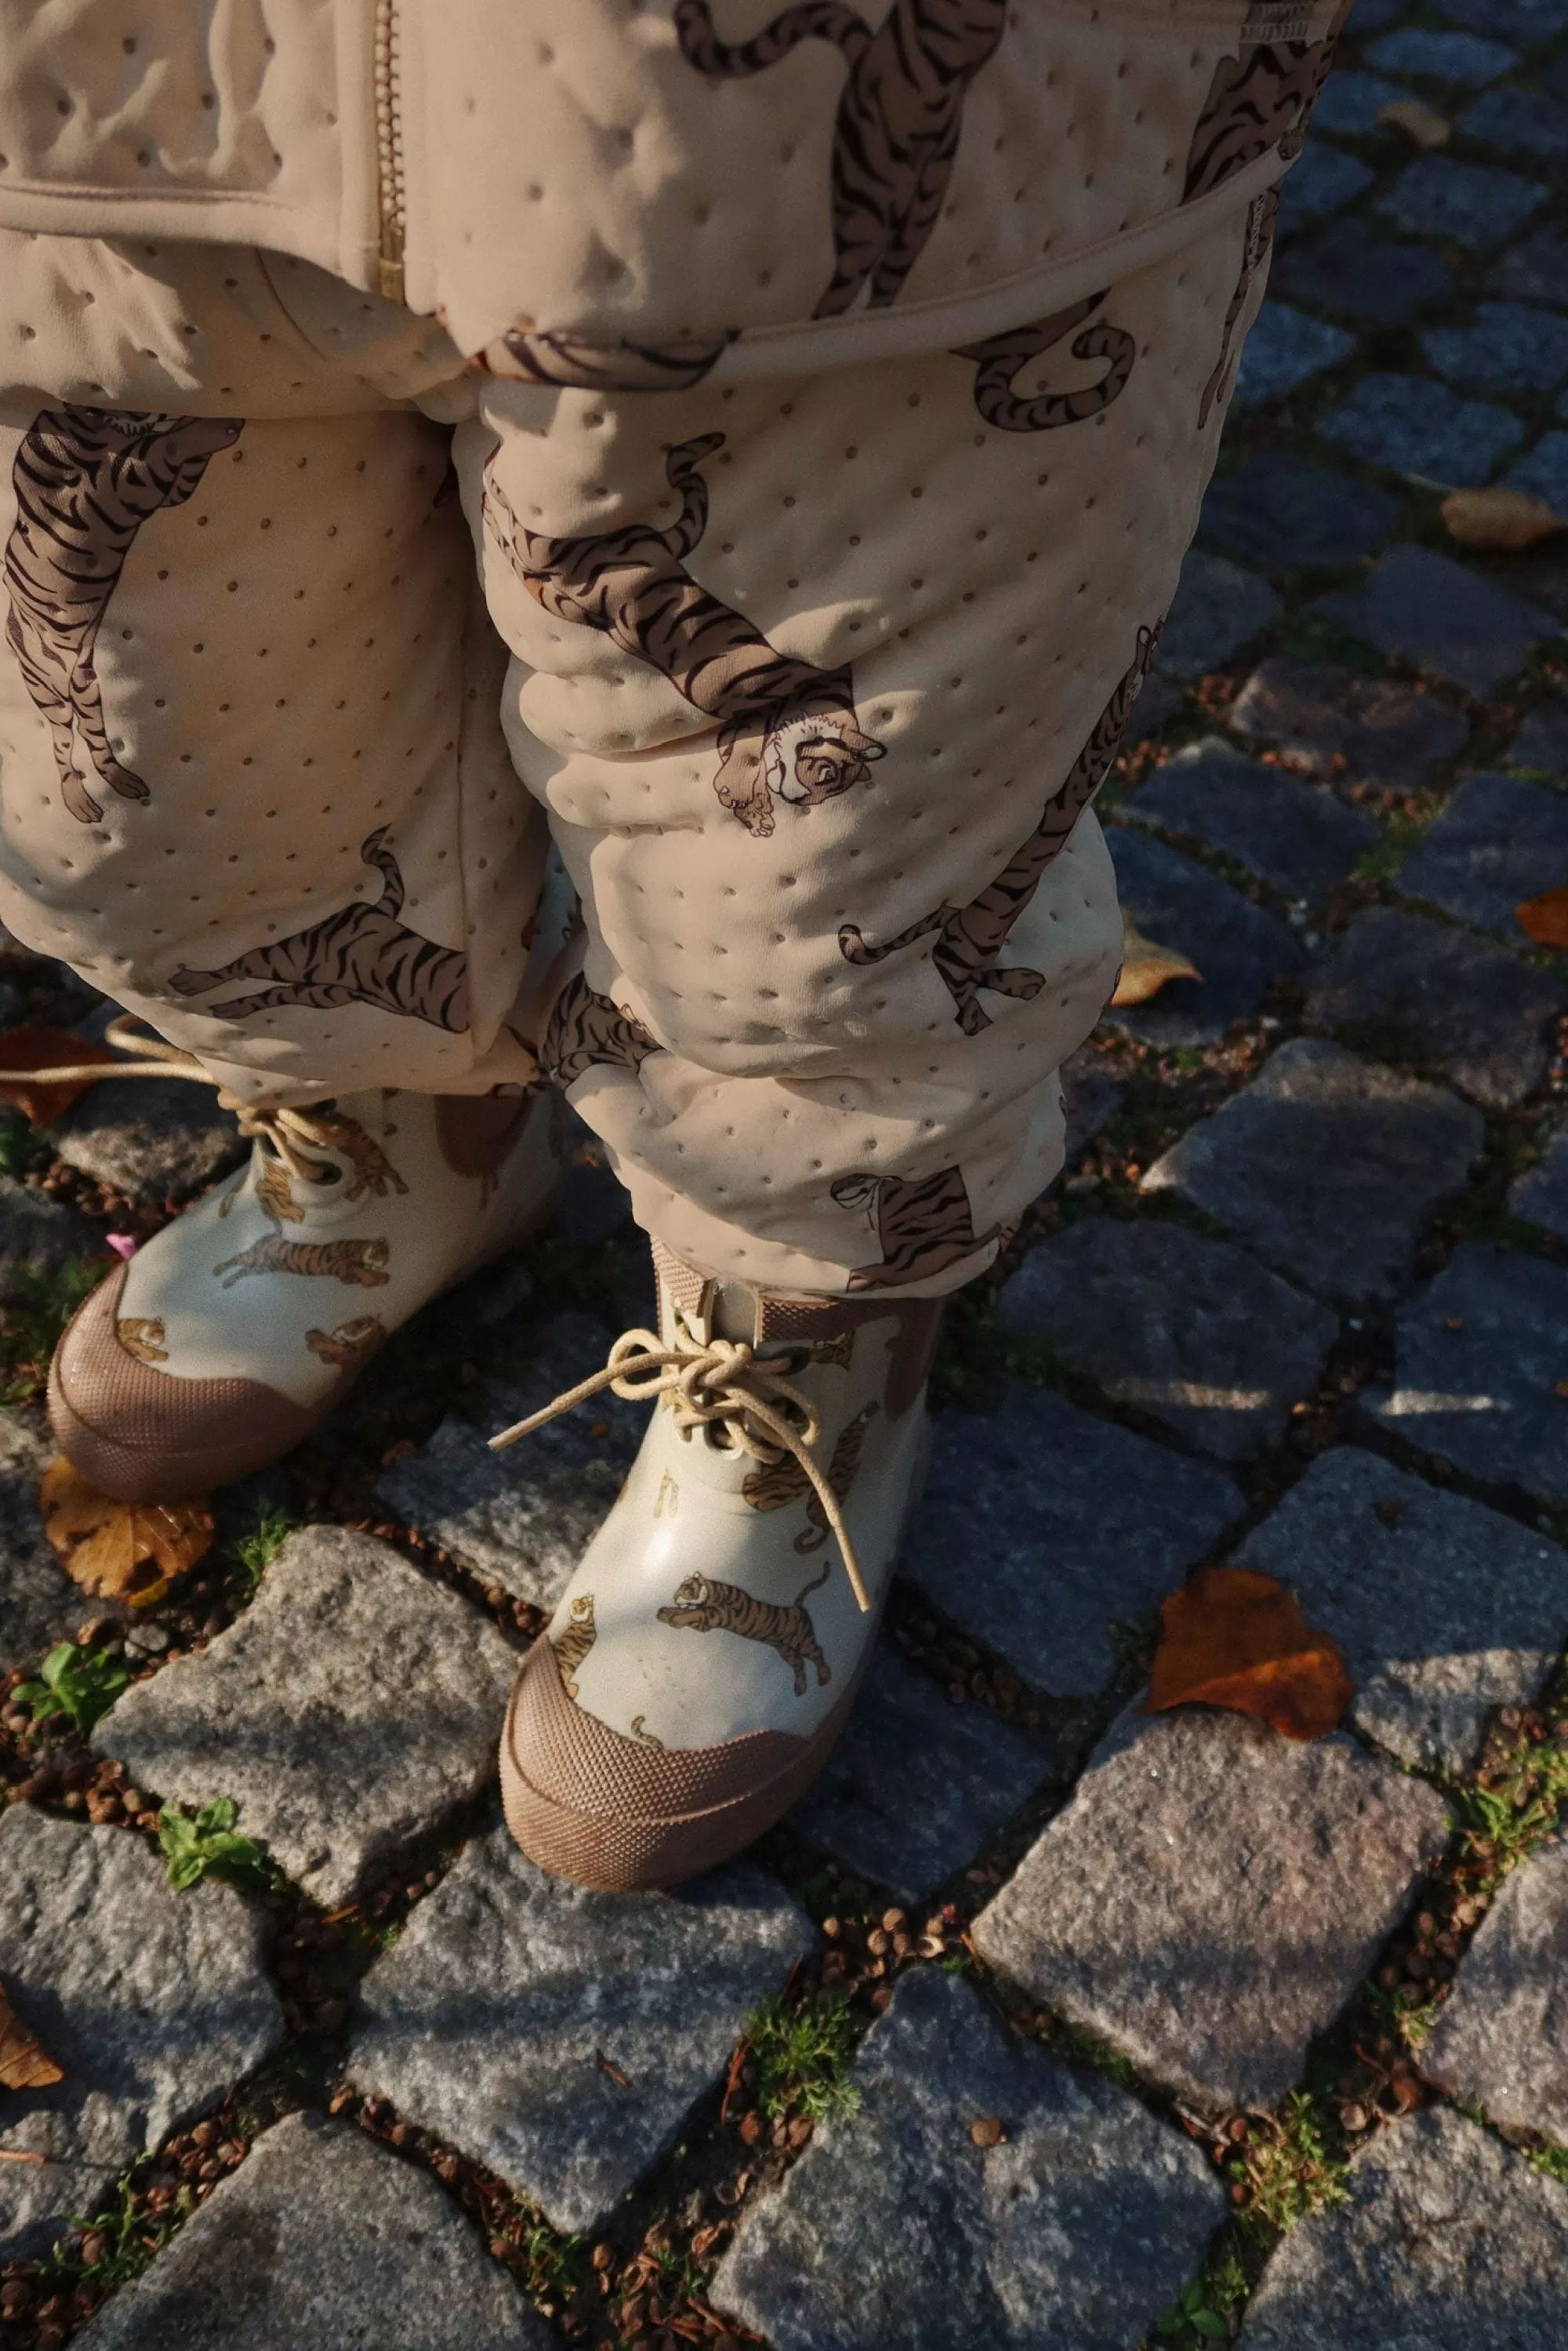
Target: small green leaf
209	1845
1214	2329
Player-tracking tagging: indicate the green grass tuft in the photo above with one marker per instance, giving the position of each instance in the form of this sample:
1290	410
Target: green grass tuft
1290	2174
30	1327
254	1553
131	2234
802	2055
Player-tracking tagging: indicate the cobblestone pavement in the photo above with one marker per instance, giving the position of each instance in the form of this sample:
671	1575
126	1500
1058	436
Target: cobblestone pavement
1041	2020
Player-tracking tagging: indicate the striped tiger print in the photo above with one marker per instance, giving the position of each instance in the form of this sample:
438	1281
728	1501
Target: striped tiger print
580	366
572	1645
782	1483
924	1223
351	1343
788	730
362	1263
970	938
703	1604
361	954
274	1194
896	133
372	1170
86	479
1261	98
587	1031
1001	359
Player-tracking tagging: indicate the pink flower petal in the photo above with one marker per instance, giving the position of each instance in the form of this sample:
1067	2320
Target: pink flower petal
123	1244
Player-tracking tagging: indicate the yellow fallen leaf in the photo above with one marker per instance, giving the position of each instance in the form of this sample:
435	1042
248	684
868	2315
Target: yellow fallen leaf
1545	919
1499	517
119	1551
1236	1638
38	1048
23	2065
1147	966
1422	125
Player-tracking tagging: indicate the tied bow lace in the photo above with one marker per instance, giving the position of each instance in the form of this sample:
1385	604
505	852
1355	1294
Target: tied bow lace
291	1133
723	1382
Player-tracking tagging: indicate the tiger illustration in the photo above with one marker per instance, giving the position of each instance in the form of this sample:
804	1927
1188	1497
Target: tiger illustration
923	1223
572	1645
1001	359
970	938
1260	99
361	954
1256	238
785	1481
788	730
702	1604
362	1263
587	1031
274	1194
372	1170
141	1335
351	1343
86	479
579	366
837	1352
896	133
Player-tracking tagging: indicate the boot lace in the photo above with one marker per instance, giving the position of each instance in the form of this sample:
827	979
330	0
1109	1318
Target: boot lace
722	1383
292	1133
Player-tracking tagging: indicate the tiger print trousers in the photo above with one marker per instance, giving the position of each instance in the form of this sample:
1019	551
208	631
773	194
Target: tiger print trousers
318	632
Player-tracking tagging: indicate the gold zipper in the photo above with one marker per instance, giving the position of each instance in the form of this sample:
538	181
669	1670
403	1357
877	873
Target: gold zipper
389	153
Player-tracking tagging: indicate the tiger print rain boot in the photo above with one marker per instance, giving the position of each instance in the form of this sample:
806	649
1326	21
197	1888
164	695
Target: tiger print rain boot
233	1332
706	1655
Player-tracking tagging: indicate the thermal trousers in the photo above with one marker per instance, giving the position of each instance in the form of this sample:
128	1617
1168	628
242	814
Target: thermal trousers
318	632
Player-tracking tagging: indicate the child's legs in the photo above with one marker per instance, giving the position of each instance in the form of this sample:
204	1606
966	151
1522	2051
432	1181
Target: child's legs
799	667
254	784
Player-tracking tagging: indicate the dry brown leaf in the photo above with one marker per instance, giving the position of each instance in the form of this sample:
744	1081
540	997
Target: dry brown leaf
24	2066
41	1048
119	1551
1236	1638
1545	919
1147	966
1422	125
1499	518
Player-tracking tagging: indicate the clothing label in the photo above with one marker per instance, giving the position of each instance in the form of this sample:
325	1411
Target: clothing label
1276	20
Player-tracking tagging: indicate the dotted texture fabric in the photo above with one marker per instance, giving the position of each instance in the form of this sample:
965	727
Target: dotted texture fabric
671	172
814	680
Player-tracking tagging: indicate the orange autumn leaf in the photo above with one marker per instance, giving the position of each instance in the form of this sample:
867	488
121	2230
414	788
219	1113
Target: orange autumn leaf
40	1048
119	1551
1545	919
1235	1638
1499	517
23	2065
1147	966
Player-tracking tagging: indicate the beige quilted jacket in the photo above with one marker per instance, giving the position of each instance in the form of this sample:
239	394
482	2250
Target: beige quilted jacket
649	191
